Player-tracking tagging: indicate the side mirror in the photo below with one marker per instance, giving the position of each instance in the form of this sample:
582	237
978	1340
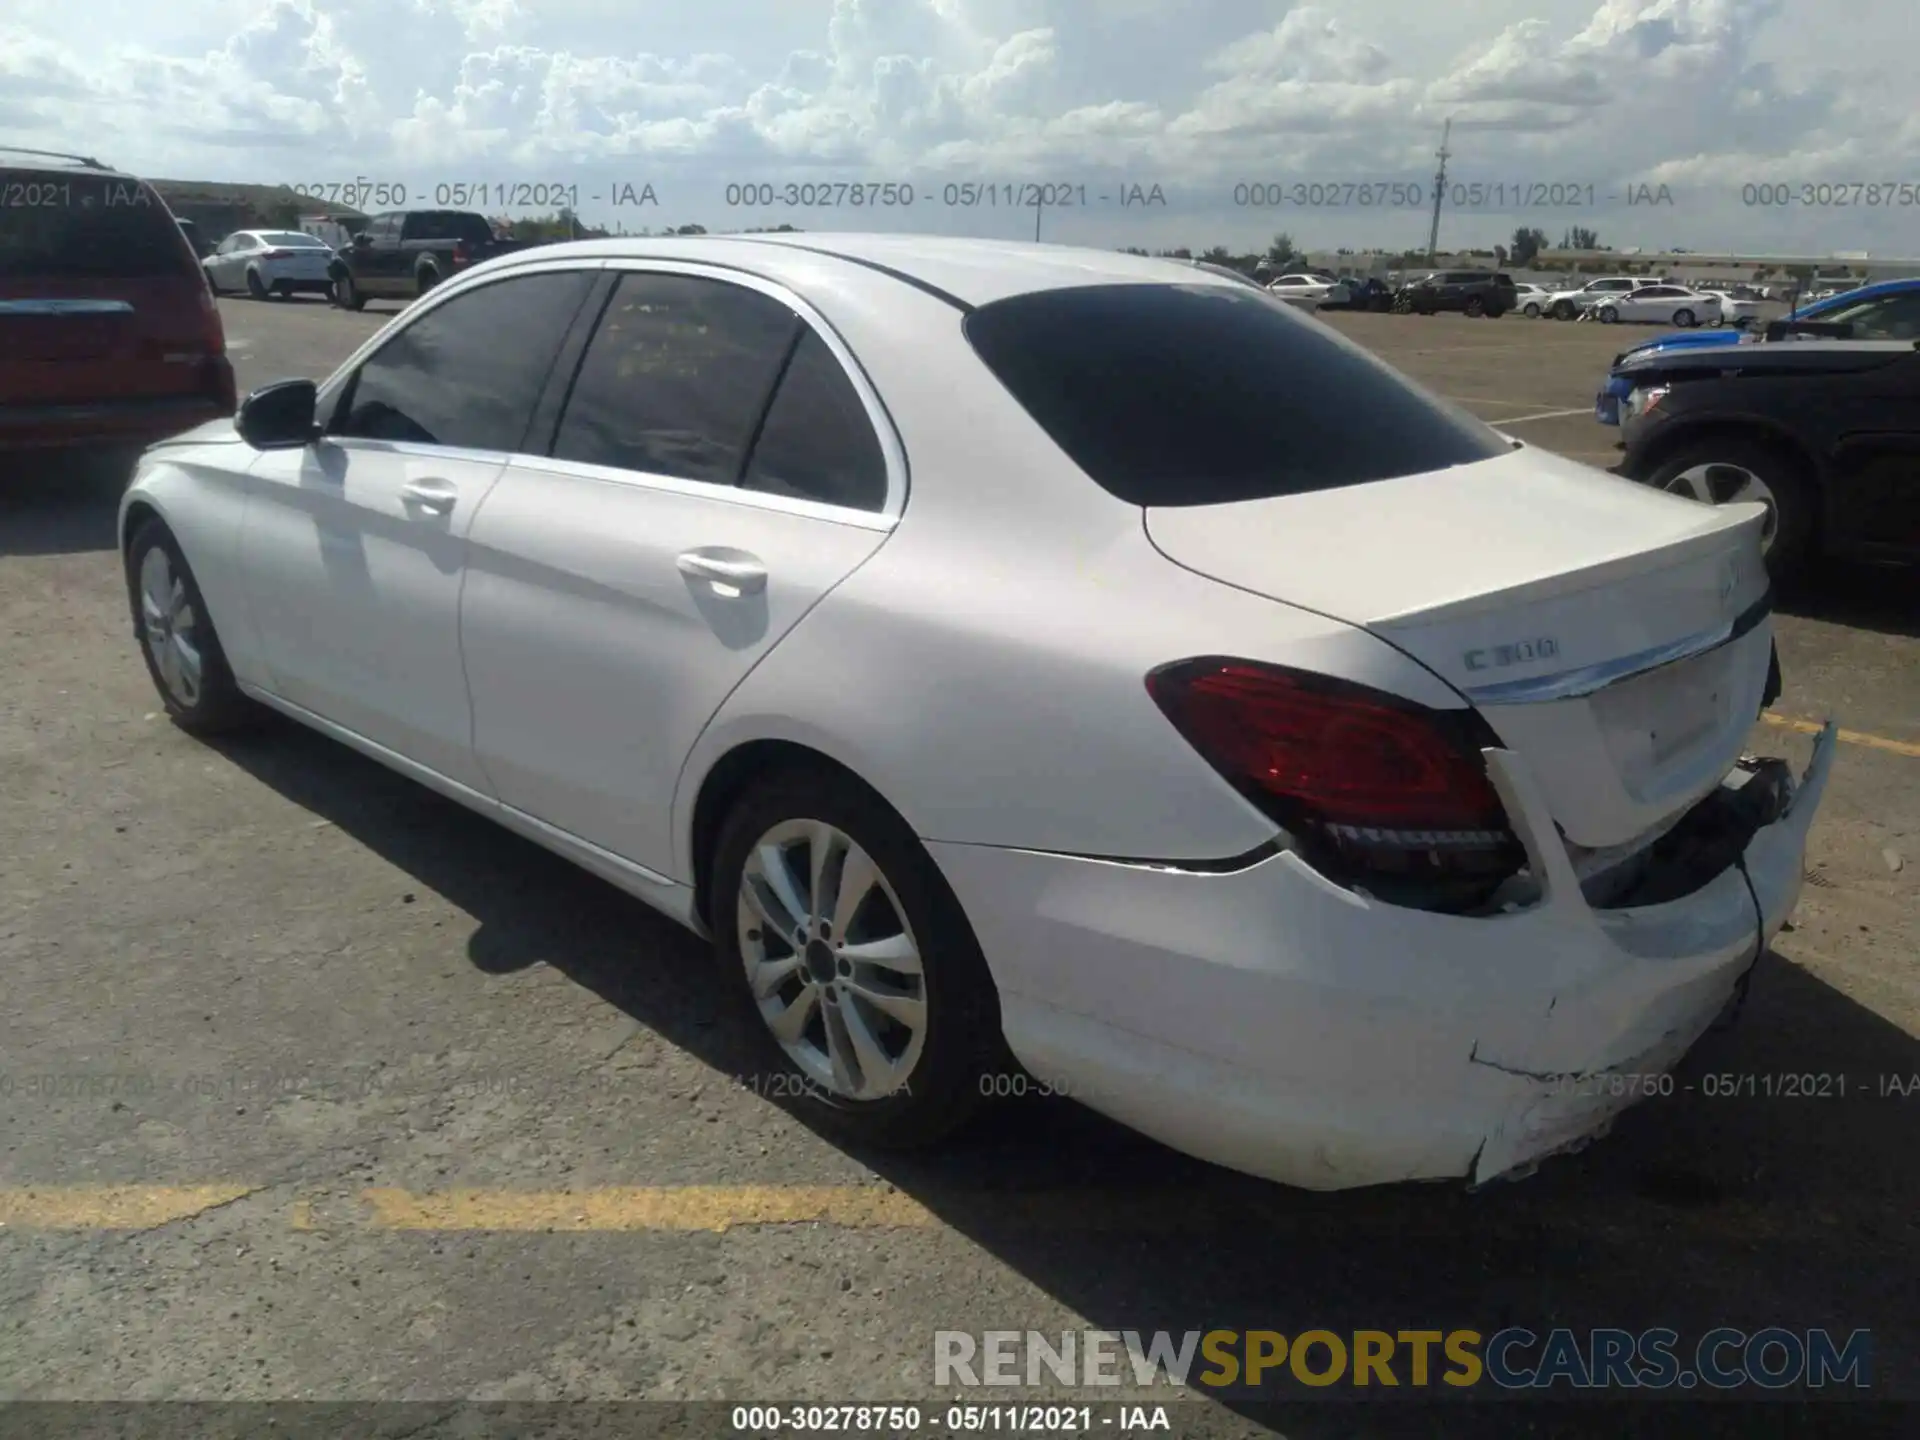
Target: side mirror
280	416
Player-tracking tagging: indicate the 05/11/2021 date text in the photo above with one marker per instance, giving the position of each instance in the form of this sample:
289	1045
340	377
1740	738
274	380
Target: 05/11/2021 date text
363	194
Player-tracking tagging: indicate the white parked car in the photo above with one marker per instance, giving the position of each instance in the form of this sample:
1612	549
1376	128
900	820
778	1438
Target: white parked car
993	643
1311	291
1662	304
1571	303
1741	305
1533	299
269	262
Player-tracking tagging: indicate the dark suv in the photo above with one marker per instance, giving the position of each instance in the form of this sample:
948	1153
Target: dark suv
109	336
1471	292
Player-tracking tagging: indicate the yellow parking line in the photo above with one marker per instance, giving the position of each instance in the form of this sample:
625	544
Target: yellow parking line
690	1207
111	1207
1850	737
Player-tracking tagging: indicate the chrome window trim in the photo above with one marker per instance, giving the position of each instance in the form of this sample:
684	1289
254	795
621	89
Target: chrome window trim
707	490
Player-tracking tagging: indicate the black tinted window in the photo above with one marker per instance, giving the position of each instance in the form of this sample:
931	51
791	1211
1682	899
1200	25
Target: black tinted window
468	373
1204	395
56	224
448	225
676	378
817	442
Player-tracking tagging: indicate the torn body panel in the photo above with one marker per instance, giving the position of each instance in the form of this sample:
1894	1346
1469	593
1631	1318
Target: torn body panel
1272	1021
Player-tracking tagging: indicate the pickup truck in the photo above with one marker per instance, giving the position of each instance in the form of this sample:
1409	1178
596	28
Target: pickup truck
404	253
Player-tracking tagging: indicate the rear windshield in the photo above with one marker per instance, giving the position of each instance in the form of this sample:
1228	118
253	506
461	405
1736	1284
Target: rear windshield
56	224
292	239
1211	394
447	225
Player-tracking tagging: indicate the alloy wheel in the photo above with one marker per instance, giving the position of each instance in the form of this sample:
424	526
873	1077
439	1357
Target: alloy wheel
172	628
1722	484
834	968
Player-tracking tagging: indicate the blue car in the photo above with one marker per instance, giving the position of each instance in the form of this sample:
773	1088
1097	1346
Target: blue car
1889	310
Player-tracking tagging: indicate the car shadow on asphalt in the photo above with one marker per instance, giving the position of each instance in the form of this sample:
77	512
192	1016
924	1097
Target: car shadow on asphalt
1772	1188
61	504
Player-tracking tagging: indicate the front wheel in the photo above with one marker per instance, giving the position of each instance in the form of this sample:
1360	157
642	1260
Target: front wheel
857	966
1733	471
1531	311
346	294
177	638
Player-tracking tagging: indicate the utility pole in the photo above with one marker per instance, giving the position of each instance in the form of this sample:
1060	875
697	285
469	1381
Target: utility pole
1439	193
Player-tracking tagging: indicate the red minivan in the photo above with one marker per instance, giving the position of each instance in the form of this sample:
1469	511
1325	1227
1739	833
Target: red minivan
109	335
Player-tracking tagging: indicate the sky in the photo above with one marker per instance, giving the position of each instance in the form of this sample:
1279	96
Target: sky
1768	126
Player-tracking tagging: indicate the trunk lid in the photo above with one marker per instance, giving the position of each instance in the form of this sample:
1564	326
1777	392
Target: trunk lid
1615	636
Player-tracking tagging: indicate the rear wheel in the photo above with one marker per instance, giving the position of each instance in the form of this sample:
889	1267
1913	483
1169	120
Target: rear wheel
177	638
256	288
861	974
1531	310
1563	310
426	278
1737	470
1684	319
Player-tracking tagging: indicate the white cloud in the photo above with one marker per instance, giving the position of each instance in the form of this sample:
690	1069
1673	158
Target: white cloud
1699	95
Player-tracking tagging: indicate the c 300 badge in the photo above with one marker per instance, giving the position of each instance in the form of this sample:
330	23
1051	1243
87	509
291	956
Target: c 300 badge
1519	652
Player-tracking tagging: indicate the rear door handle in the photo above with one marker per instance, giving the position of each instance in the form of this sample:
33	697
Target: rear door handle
434	496
733	568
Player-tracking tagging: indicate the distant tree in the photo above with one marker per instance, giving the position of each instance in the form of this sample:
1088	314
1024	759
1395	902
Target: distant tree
1217	255
1135	250
1580	237
1528	242
1281	252
689	230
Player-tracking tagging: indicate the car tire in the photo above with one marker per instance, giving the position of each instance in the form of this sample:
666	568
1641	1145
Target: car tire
1788	491
1563	310
1475	307
945	1063
1607	315
186	663
425	279
256	288
1684	319
1530	310
346	294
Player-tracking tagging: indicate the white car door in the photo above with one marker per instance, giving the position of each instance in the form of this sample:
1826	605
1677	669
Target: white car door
221	262
620	590
353	548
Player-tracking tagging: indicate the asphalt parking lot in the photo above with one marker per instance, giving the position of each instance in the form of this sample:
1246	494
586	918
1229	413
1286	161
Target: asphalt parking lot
314	1086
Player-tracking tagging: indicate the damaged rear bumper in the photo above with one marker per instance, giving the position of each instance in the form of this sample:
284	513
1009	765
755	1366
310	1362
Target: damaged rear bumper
1269	1020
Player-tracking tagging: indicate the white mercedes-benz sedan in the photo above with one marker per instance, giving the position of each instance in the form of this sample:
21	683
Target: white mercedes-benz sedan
1011	648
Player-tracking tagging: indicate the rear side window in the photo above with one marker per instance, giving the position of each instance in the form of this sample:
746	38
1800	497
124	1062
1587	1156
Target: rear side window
676	378
817	442
55	224
447	379
447	225
1210	394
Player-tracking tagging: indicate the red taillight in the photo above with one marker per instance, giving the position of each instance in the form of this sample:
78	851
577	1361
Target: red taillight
1384	783
460	252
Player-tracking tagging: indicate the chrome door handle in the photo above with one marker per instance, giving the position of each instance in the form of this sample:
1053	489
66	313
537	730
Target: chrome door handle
436	497
735	569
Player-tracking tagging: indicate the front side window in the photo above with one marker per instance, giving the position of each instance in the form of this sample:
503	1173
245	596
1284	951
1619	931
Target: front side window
1208	395
469	372
676	378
